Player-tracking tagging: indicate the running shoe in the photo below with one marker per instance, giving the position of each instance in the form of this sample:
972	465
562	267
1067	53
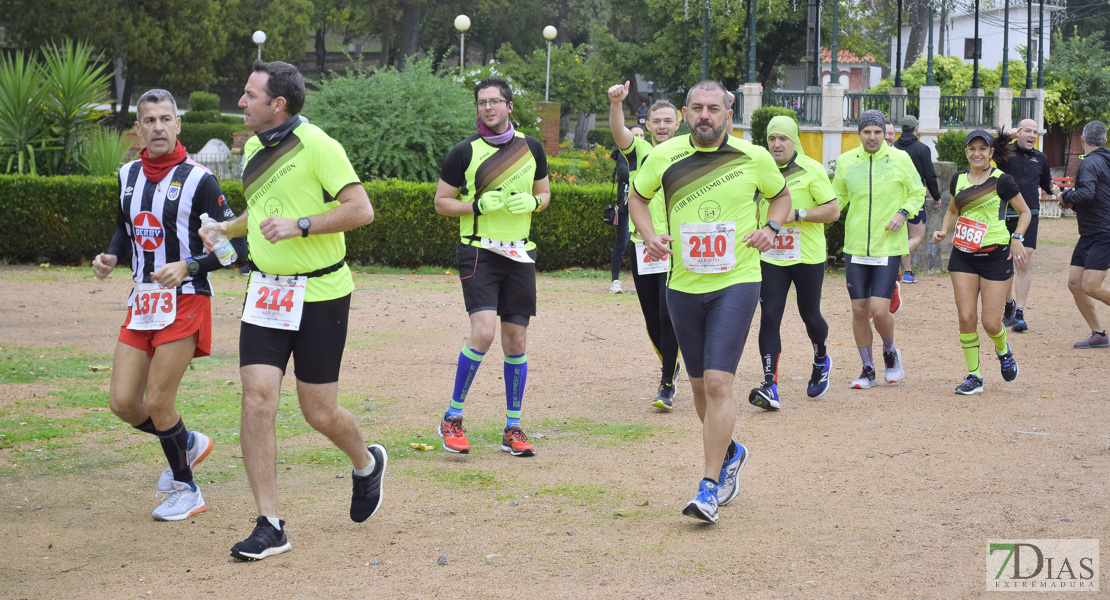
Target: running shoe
866	379
366	496
615	287
972	385
909	277
665	398
819	379
199	448
1097	340
180	503
1009	365
516	443
728	488
765	396
1019	321
704	504
454	437
896	299
1008	319
894	371
265	540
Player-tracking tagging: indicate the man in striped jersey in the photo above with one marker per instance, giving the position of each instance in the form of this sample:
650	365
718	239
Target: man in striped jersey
493	181
169	318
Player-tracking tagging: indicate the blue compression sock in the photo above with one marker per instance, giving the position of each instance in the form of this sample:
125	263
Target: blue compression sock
516	375
469	361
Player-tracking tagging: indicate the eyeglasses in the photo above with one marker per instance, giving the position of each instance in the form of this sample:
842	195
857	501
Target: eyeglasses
492	103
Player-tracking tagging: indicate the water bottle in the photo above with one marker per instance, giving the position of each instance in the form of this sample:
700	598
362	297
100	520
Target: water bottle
221	247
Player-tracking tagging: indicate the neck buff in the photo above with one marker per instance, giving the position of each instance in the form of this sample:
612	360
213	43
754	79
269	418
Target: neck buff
156	169
271	137
872	117
492	137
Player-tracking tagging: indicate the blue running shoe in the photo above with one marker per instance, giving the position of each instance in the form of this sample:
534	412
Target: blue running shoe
765	396
819	379
909	277
704	505
727	490
1009	365
1019	321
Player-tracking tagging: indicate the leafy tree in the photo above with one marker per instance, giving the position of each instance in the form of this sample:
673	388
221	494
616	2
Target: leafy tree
1077	82
394	123
953	76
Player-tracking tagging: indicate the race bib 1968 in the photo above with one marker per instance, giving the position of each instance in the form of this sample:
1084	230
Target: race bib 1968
153	307
969	234
708	247
275	301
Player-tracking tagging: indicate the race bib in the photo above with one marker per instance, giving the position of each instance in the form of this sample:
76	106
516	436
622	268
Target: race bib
708	247
513	250
275	301
969	234
646	265
153	307
873	261
787	245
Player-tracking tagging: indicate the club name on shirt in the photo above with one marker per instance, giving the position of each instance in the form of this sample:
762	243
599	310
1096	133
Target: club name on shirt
727	177
262	190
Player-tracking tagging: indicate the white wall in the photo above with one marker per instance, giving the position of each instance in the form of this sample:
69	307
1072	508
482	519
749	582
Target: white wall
962	27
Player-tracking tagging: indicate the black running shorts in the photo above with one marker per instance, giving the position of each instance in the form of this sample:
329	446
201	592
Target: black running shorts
494	282
871	281
1030	232
1092	253
317	348
992	265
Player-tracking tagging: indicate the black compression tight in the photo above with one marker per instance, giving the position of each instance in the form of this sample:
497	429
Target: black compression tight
651	290
807	280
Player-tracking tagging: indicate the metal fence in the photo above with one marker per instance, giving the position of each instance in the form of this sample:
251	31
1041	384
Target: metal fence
854	104
1023	108
966	111
806	105
223	166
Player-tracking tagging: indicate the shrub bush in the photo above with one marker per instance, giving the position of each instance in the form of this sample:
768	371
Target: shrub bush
601	137
950	147
762	116
203	101
70	219
195	135
202	116
582	166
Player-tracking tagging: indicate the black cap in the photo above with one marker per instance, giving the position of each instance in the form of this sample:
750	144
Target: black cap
980	133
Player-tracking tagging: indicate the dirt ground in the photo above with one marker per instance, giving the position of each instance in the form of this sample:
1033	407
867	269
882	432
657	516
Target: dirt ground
891	492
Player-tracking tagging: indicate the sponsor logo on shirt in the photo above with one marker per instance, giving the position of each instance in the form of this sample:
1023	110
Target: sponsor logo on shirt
148	231
174	191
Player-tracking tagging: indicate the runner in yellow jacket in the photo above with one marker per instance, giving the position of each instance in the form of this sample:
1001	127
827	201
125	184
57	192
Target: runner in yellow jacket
881	190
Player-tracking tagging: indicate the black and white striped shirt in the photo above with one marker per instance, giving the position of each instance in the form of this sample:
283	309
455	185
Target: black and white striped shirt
159	221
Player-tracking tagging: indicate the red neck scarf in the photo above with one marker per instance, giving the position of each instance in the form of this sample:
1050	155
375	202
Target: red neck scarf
156	169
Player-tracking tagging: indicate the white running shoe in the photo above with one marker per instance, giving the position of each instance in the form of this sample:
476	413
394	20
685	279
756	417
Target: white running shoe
199	450
866	379
894	371
615	287
180	504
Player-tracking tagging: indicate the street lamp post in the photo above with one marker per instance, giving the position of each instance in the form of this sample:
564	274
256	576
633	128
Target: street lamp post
259	37
462	23
549	34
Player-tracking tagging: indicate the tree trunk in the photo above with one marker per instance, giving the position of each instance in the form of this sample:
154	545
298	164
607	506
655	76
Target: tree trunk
321	52
410	32
385	58
122	122
919	17
582	130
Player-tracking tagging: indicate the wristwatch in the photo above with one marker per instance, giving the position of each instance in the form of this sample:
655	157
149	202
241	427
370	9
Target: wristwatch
192	265
774	225
304	224
1017	236
905	213
799	214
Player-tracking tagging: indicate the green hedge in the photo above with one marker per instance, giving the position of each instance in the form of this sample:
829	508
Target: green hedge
195	135
204	101
950	147
70	219
601	137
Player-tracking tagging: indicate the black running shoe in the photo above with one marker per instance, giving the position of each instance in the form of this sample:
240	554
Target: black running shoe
972	385
1008	319
264	541
1009	365
665	398
1019	321
366	497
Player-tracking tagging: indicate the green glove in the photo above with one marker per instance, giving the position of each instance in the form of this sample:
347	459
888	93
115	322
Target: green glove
520	203
491	201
